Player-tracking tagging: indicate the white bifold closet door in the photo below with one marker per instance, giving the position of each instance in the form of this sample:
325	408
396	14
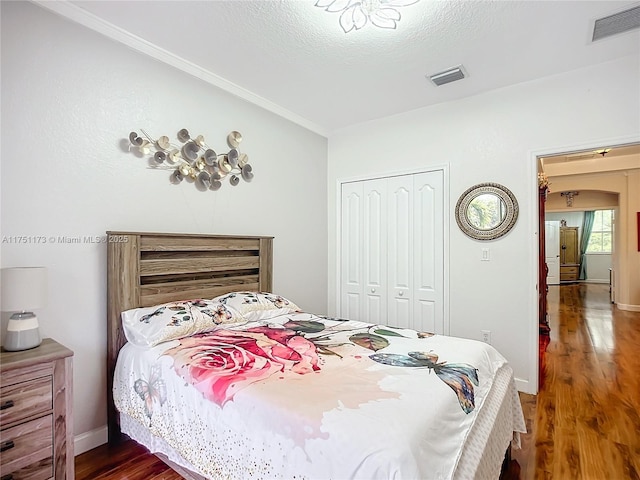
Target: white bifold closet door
392	251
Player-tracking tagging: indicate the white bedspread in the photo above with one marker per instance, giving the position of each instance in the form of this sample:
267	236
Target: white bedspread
308	397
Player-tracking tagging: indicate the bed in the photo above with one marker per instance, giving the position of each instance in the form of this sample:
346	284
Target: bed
271	391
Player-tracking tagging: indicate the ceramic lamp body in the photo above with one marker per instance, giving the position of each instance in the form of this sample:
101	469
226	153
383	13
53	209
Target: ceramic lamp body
23	332
23	289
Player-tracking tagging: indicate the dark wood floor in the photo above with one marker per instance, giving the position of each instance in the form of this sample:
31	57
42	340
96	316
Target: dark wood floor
585	421
127	460
583	424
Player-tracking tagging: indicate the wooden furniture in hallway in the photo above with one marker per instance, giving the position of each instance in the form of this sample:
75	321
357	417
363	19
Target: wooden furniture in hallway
543	287
569	254
543	269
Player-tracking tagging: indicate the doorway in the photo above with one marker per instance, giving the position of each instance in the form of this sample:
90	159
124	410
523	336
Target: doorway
575	182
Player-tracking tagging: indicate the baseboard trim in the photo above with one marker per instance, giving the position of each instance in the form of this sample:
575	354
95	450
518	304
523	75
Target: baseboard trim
629	308
524	386
89	440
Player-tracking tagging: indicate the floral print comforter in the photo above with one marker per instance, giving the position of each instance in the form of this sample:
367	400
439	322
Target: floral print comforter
304	396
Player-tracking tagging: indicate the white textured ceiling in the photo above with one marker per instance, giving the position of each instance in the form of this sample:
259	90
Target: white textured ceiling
294	57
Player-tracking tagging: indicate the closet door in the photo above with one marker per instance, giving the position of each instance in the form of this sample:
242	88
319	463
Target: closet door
428	263
375	251
392	251
400	250
351	251
363	251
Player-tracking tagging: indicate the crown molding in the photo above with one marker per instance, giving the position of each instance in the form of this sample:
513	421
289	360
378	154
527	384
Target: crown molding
76	14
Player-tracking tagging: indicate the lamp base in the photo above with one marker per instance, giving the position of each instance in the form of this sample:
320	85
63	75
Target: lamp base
22	332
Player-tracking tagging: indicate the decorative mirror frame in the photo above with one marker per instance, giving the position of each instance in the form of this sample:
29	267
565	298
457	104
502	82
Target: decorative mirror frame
511	214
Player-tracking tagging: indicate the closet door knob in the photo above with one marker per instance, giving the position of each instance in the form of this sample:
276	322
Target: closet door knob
373	290
401	293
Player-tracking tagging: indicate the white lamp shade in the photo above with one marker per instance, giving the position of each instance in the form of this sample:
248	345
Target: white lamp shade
23	288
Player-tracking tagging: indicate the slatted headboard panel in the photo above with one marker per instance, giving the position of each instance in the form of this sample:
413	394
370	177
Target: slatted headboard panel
145	269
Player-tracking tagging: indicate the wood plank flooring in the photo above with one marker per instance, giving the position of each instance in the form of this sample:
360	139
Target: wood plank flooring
583	424
585	421
127	460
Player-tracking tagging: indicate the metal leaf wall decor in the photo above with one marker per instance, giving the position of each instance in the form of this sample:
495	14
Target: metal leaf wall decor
194	160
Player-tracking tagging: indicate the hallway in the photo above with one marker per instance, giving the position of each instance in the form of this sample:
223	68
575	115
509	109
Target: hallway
585	421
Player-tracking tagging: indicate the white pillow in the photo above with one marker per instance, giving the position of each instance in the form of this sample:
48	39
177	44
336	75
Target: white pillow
149	326
255	306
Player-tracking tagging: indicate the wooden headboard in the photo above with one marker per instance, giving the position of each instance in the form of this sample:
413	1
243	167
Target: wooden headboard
146	269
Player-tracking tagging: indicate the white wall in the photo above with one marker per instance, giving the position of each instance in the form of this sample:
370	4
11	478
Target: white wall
494	137
598	265
69	98
573	219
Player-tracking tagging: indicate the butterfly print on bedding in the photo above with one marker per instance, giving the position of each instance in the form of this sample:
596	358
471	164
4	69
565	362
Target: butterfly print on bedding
224	299
277	300
152	392
147	318
461	377
219	315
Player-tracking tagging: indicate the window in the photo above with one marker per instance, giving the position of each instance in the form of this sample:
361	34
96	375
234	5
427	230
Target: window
602	233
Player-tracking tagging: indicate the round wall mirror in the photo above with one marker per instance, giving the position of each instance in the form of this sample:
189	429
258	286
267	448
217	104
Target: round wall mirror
486	211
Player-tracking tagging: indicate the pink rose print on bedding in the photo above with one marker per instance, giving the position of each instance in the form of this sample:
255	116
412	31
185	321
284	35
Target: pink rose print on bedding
221	363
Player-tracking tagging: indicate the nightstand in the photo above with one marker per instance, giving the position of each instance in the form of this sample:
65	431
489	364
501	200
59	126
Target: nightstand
36	421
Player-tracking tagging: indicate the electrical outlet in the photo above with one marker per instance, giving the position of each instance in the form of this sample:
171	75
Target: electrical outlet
486	336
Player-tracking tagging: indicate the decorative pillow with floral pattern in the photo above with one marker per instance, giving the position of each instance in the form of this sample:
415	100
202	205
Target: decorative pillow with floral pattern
149	326
255	306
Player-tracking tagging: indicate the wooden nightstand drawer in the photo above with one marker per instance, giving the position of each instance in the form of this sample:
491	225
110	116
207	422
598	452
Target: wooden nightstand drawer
42	470
27	449
25	399
37	392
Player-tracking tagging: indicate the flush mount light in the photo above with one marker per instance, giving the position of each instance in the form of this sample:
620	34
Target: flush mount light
355	14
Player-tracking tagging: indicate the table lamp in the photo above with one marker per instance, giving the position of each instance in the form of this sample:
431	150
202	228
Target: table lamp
23	289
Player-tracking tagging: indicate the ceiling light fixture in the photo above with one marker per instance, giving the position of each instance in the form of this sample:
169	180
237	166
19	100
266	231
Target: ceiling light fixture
355	14
602	151
569	197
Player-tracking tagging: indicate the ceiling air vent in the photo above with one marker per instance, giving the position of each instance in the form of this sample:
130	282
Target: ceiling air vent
616	23
448	76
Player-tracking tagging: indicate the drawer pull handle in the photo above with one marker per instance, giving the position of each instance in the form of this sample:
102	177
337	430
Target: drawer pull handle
4	406
7	477
8	445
